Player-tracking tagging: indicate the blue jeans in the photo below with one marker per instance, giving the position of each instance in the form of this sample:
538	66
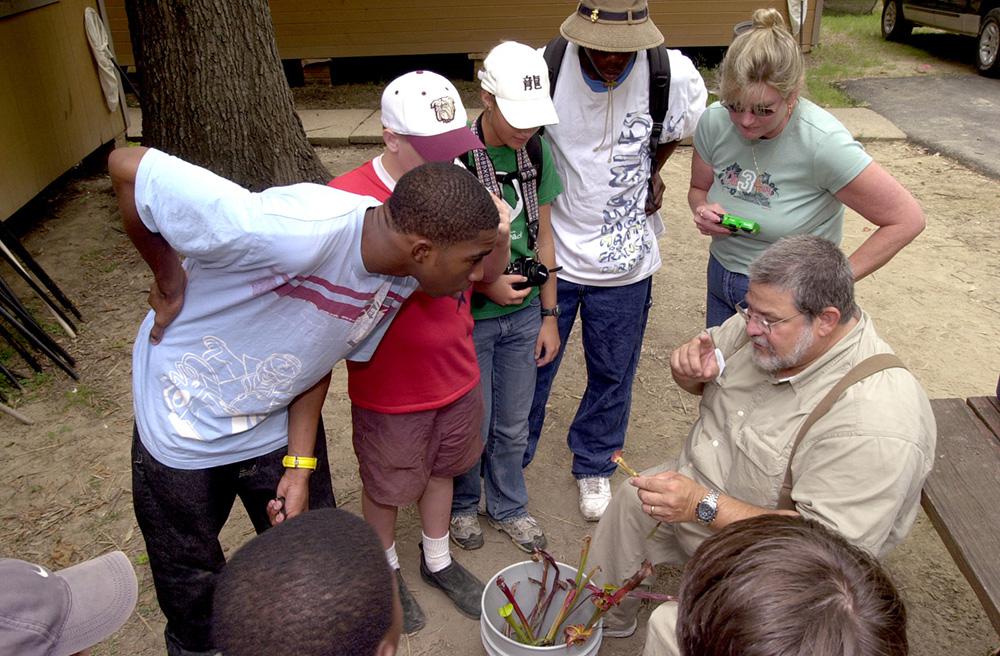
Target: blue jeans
505	347
614	321
725	289
181	512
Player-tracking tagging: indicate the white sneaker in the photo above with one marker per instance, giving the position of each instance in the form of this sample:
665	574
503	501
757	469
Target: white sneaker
595	495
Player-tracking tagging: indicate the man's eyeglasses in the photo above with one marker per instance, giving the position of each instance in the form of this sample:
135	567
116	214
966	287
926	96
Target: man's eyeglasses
760	111
749	315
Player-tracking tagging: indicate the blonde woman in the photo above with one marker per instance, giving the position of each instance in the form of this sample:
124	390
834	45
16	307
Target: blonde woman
766	154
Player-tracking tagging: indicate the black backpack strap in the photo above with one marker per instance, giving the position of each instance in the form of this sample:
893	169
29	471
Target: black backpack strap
554	51
659	94
534	148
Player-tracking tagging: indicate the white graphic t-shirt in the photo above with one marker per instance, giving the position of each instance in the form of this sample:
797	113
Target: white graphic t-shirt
603	236
277	293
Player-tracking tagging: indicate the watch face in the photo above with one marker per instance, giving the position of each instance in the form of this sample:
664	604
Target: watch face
707	509
706	513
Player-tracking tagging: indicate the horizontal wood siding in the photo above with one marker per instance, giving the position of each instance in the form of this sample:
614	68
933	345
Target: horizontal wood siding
308	29
52	107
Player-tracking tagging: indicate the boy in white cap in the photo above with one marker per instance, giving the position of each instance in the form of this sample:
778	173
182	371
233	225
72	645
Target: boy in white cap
416	404
515	331
64	612
606	224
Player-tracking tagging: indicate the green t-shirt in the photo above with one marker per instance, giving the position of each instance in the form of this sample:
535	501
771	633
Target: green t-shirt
786	184
505	161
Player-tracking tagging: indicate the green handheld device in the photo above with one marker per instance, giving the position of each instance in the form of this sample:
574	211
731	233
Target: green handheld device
739	224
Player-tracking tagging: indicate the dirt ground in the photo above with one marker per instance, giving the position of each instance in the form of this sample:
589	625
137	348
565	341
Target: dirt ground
64	481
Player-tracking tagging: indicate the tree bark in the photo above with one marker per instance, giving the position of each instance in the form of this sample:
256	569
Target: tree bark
213	90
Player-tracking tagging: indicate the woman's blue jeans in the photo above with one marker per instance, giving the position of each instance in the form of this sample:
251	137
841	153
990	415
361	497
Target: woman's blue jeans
613	324
505	347
725	289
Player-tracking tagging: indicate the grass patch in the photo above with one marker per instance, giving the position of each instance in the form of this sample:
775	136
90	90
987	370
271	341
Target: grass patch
32	384
851	47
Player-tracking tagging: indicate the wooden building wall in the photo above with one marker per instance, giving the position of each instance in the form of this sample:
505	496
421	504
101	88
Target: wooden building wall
52	109
313	29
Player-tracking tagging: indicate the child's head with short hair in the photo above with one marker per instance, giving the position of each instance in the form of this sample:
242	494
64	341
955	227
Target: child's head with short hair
315	585
446	224
442	202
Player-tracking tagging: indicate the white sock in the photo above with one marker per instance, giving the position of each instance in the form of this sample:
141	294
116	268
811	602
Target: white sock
390	555
437	555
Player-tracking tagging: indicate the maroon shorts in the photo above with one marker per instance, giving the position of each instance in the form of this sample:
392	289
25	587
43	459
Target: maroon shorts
397	454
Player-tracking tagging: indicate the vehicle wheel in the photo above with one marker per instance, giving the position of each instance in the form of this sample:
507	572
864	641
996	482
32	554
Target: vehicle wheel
988	45
894	26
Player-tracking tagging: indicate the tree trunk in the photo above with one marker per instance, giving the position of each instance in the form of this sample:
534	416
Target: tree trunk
213	91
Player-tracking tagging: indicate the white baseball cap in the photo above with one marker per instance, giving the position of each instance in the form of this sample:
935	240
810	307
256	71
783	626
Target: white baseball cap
62	612
426	108
518	77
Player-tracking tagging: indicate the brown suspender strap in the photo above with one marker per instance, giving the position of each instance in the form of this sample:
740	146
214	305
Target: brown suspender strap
862	370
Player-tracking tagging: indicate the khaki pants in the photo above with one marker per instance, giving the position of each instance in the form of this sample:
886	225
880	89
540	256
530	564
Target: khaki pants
661	632
620	545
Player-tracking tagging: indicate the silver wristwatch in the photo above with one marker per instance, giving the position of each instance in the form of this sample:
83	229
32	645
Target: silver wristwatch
707	508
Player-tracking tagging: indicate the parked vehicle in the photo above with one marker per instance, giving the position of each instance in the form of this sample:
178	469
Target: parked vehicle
978	18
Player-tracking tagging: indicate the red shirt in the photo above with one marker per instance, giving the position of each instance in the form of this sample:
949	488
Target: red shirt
427	358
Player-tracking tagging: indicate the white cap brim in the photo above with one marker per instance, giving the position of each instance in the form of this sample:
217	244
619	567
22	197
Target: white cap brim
527	114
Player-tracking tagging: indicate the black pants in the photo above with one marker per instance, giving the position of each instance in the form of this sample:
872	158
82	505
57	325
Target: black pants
181	512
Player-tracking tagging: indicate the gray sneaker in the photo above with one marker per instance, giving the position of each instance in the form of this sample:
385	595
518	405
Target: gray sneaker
524	531
620	632
466	532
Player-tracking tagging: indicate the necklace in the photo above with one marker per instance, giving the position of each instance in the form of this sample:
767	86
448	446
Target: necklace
756	167
753	146
753	153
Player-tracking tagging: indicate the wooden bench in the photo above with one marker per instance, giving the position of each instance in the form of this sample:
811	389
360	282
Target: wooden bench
962	494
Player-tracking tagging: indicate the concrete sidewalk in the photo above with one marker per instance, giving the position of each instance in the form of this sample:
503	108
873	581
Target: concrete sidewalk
349	127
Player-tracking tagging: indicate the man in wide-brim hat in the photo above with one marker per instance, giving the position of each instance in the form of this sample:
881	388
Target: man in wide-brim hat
606	223
612	26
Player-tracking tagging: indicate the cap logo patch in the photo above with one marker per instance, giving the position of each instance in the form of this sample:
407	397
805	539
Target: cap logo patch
444	109
532	82
41	572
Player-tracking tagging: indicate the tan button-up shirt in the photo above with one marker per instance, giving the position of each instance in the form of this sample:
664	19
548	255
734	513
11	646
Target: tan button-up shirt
858	470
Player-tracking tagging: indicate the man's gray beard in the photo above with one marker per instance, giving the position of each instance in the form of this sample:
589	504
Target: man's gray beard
772	363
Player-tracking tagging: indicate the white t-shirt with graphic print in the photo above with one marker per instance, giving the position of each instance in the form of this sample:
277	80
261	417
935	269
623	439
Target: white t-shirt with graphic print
603	236
277	293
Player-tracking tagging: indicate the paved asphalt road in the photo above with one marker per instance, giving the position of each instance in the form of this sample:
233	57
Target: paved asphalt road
957	116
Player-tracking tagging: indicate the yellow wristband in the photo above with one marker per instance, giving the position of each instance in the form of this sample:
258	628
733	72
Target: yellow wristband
299	462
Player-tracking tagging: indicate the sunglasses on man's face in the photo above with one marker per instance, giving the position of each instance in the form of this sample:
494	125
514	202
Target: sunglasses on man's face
760	111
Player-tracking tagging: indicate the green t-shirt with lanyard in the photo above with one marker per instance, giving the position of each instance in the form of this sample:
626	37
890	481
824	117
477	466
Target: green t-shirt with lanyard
549	186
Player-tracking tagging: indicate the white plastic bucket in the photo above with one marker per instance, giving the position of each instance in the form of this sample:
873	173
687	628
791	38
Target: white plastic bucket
491	625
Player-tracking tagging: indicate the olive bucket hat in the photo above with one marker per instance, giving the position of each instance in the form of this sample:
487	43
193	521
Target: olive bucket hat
612	26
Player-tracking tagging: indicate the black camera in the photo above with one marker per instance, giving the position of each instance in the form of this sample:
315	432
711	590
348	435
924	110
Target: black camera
535	272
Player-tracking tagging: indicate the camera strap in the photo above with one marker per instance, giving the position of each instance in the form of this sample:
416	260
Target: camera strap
526	173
